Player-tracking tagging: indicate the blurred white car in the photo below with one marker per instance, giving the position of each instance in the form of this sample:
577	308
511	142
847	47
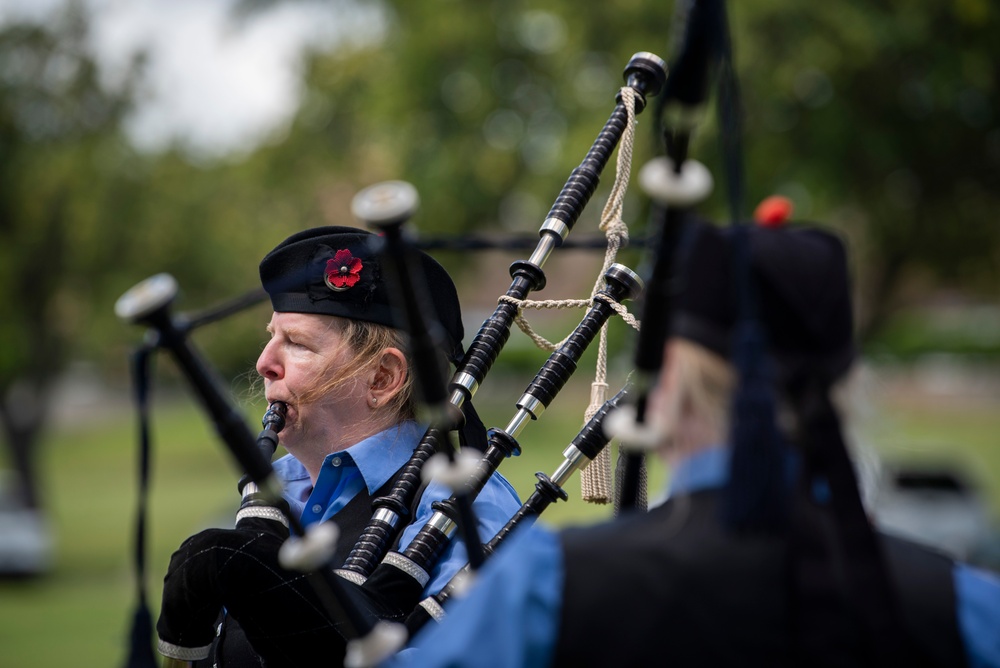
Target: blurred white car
26	541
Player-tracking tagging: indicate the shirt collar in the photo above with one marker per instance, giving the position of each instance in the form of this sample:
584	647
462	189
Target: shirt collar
379	456
706	469
709	469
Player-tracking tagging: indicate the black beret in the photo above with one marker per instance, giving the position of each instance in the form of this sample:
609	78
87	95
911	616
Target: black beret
337	271
801	288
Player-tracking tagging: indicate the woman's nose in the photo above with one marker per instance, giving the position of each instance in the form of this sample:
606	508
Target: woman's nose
268	365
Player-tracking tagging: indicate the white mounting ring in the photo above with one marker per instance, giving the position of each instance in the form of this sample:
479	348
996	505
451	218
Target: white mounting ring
621	424
692	185
312	551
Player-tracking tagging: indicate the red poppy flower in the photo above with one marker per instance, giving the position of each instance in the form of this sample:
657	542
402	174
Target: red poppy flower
342	271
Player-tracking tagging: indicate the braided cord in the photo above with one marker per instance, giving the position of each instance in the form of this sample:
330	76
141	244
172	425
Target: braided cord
596	477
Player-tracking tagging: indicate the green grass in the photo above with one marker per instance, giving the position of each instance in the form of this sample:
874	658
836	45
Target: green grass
79	614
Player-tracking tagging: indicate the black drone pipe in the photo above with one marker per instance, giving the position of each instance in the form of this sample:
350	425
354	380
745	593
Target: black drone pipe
621	284
468	242
646	75
582	450
226	309
405	573
148	303
656	309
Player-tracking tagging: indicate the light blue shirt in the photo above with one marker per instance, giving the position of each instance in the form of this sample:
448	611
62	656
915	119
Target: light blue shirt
370	464
510	618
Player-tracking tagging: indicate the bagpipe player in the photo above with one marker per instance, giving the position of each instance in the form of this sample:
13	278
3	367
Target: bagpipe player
700	580
337	361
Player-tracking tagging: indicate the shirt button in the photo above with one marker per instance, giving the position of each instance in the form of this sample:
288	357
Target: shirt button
317	508
335	461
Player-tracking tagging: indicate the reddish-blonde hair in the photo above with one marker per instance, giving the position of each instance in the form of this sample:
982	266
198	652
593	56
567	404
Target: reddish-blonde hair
365	343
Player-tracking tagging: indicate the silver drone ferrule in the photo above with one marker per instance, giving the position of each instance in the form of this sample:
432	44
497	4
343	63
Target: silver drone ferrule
386	515
552	232
442	523
532	404
467	385
574	461
517	423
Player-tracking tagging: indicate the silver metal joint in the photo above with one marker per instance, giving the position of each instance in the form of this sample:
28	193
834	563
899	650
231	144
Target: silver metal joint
458	397
442	523
467	381
555	225
574	461
387	516
552	233
532	404
516	424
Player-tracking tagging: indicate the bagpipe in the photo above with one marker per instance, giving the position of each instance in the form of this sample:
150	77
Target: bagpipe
349	605
583	450
362	611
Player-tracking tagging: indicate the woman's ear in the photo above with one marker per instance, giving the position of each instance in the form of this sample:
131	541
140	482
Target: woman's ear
389	377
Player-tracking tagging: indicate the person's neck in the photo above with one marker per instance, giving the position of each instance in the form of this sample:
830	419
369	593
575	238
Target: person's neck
692	435
313	455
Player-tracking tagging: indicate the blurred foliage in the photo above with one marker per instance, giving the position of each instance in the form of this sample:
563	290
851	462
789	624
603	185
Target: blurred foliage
57	124
876	118
967	333
885	121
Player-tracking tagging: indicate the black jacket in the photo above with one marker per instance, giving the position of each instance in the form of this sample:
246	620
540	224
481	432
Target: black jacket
673	587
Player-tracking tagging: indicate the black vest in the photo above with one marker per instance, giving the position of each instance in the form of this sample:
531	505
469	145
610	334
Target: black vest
672	587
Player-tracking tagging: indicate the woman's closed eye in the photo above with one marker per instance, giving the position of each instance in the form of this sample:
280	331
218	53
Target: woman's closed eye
298	345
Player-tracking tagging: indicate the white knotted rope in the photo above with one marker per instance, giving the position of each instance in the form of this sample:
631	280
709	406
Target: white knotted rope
595	479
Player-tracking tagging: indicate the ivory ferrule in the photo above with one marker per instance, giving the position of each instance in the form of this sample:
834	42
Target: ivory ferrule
433	609
176	656
397	560
264	513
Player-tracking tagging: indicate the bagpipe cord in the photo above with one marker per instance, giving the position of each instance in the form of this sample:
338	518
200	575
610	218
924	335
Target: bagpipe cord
596	483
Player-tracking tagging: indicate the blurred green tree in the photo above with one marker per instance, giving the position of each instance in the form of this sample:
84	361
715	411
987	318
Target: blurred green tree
84	216
879	119
60	138
882	119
